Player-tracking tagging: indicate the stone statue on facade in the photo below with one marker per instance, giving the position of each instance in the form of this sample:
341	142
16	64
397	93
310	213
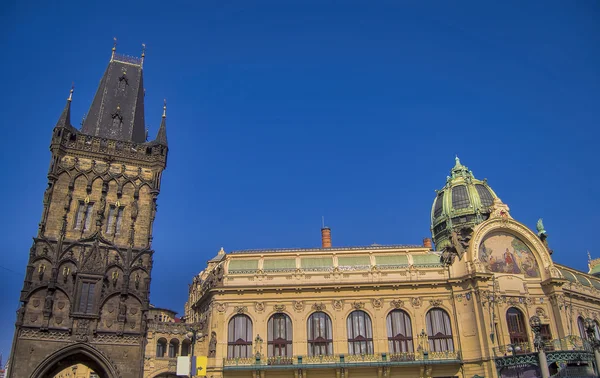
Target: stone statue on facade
212	344
542	234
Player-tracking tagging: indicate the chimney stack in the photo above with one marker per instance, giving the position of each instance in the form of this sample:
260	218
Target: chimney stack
427	243
325	237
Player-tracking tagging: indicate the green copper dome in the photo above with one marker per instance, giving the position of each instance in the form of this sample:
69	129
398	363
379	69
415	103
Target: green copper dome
462	203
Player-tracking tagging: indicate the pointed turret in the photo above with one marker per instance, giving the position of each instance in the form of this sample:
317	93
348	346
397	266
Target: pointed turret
161	136
65	117
117	111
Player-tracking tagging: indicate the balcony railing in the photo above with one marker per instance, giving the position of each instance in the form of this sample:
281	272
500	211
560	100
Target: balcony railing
569	343
339	360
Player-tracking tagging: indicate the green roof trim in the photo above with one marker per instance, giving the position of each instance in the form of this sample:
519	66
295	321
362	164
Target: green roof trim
354	261
277	264
395	260
596	284
424	260
316	263
243	266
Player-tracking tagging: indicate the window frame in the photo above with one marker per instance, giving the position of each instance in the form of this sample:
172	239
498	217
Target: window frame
359	331
516	317
91	302
397	342
161	345
83	216
275	346
242	347
438	340
319	343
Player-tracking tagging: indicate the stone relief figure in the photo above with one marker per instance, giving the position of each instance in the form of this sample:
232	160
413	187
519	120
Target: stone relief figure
212	344
122	310
134	209
102	206
48	301
41	271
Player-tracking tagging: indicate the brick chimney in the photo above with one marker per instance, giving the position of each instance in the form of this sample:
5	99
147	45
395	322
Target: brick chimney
326	237
427	243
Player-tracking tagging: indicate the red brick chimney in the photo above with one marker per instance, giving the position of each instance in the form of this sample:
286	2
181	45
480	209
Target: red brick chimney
427	243
326	237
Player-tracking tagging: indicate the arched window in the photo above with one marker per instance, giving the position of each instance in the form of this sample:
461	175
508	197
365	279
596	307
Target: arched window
185	347
173	348
399	331
516	326
581	326
279	336
439	331
320	337
161	347
239	337
360	333
597	329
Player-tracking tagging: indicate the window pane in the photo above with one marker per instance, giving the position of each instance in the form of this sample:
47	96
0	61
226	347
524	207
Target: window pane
111	220
119	220
88	216
79	215
484	195
439	331
84	296
460	197
439	205
90	298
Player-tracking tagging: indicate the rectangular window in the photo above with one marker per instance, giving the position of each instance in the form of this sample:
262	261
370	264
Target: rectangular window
83	218
86	298
115	217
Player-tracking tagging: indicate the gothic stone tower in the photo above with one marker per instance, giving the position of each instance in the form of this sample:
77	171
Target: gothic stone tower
86	290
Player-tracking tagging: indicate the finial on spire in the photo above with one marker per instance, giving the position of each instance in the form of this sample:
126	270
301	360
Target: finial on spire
143	54
114	49
71	92
589	257
165	108
457	160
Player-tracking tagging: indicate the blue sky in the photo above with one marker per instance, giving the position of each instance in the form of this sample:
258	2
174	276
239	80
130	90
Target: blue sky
280	112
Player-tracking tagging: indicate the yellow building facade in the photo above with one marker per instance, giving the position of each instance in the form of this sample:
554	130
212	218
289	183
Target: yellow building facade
488	301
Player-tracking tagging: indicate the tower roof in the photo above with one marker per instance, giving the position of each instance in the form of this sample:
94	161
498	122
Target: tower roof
161	136
117	111
65	117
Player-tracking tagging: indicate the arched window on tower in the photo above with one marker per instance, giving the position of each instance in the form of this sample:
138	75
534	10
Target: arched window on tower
279	336
161	347
516	326
399	331
360	333
320	336
439	331
239	337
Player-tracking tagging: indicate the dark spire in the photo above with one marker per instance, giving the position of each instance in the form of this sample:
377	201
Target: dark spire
65	118
117	111
161	136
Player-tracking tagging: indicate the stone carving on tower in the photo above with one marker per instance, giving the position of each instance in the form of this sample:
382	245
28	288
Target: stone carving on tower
86	288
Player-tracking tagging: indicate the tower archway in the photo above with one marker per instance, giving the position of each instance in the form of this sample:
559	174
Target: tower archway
74	355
